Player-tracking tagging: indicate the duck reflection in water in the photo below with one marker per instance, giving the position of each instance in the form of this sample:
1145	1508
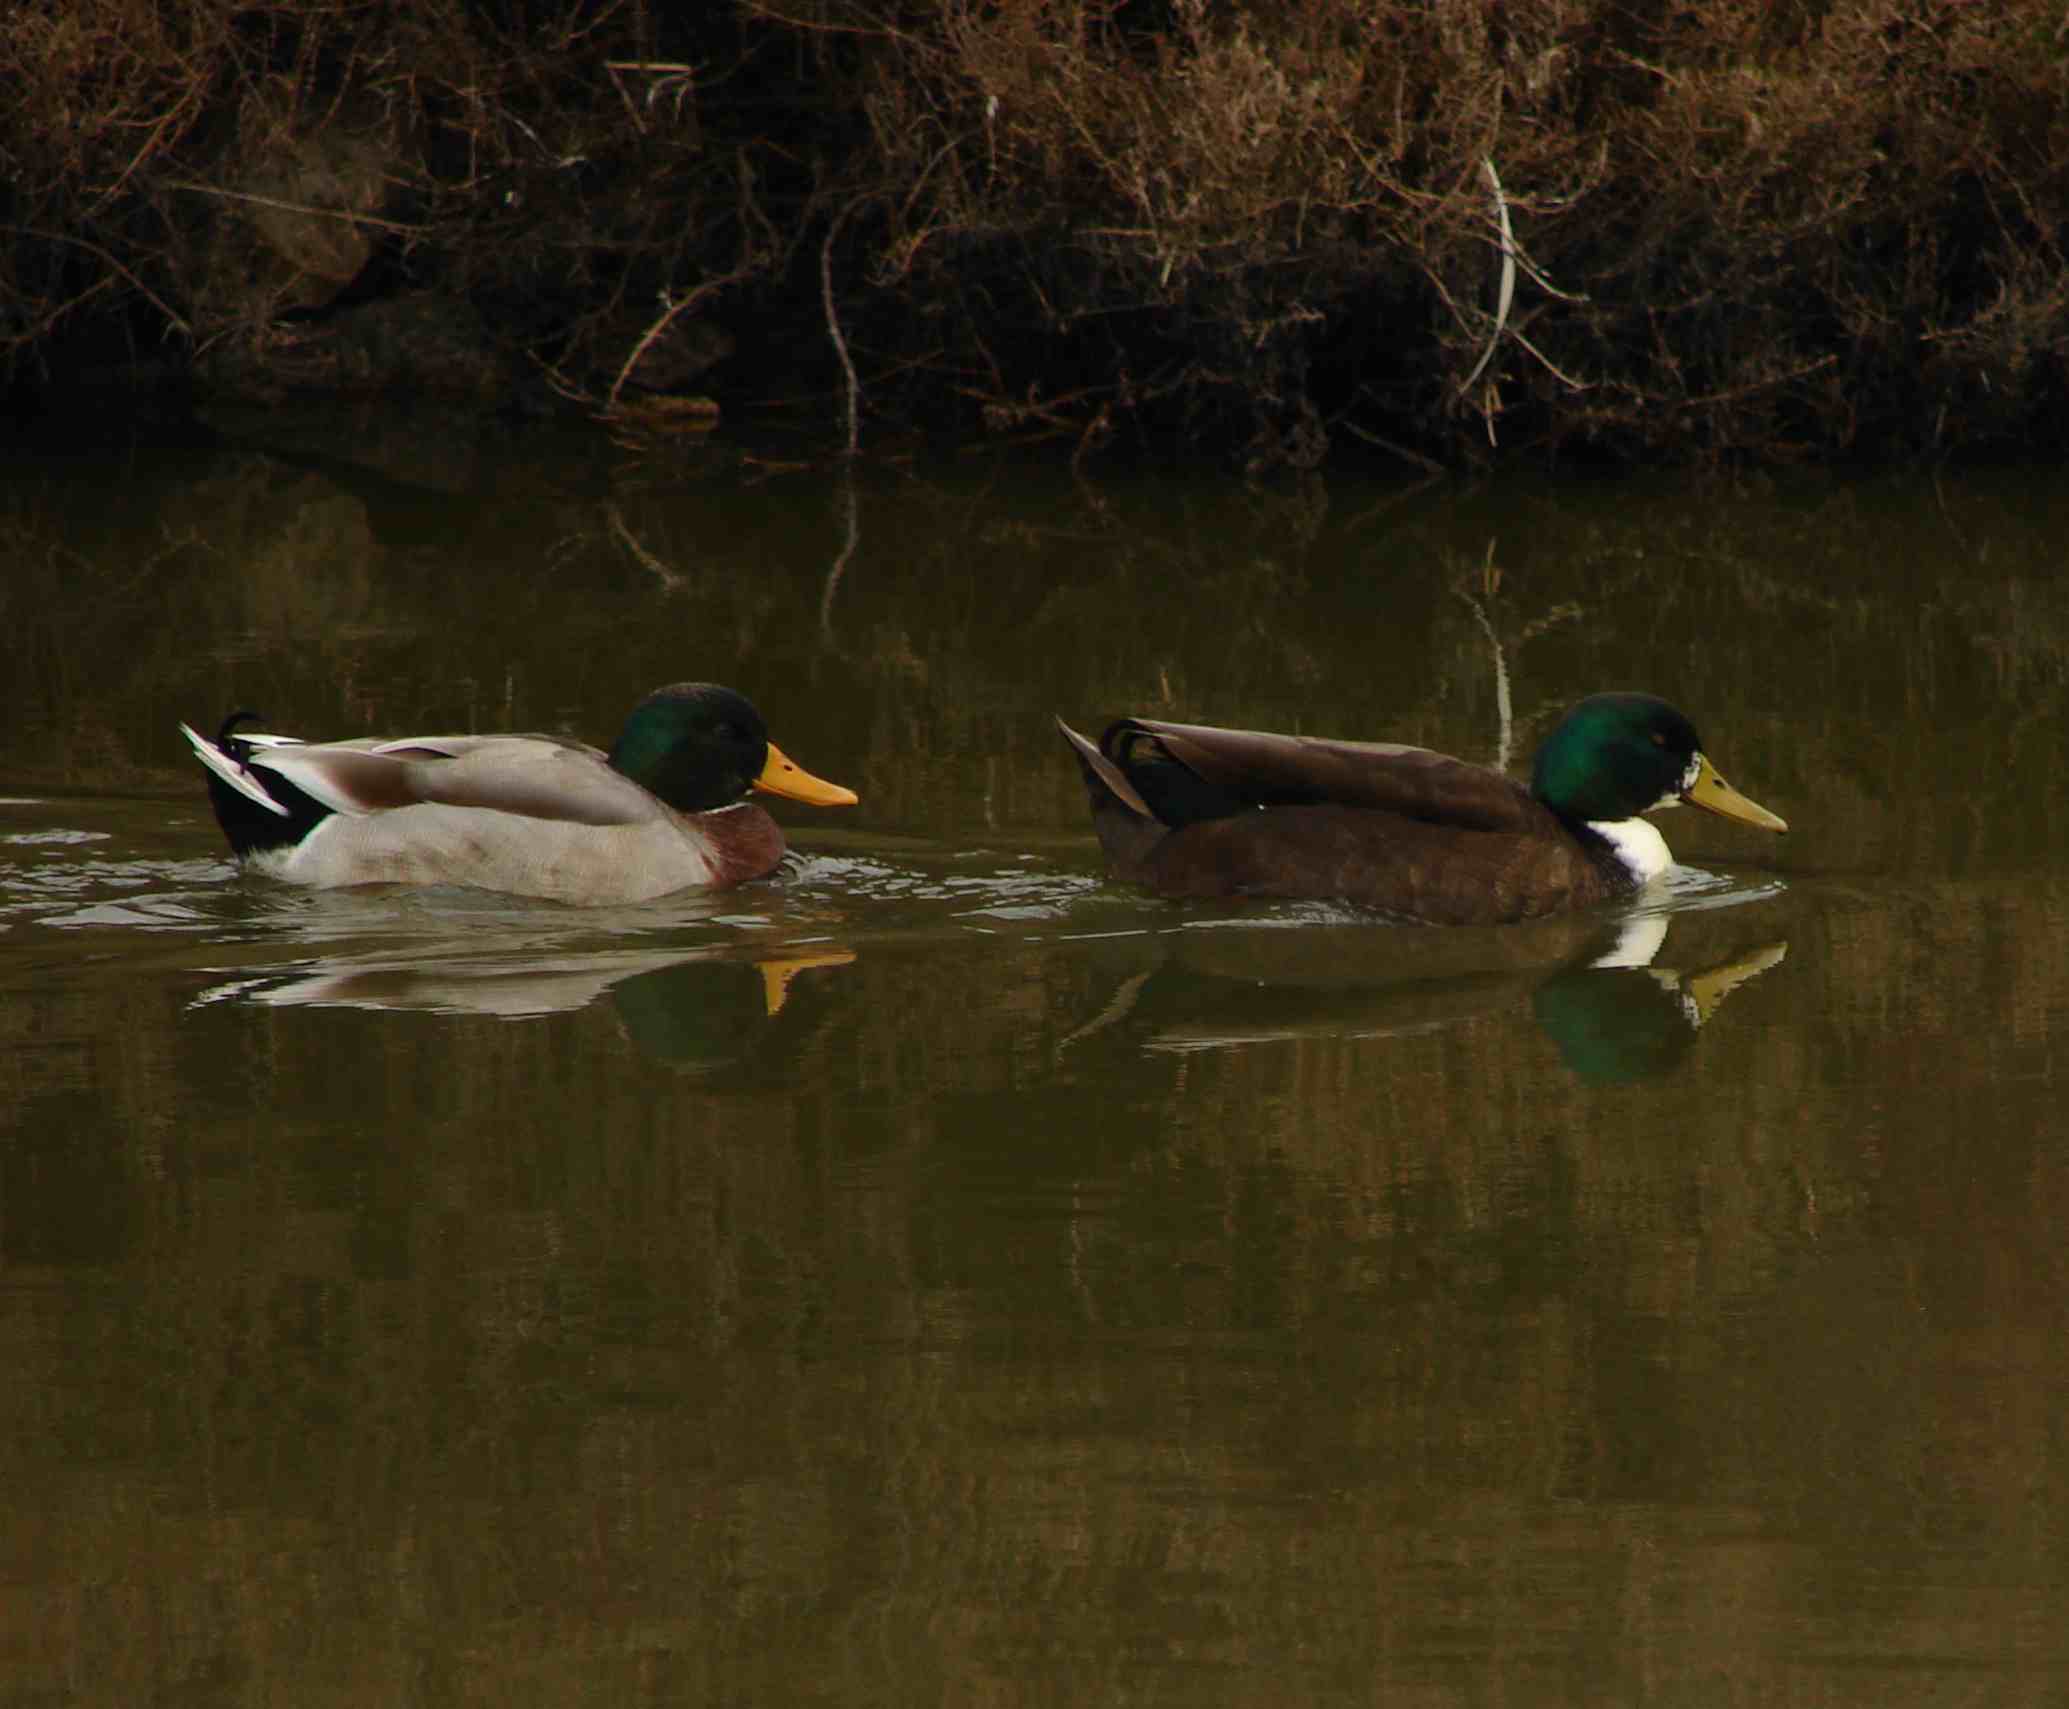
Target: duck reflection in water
1596	989
696	1010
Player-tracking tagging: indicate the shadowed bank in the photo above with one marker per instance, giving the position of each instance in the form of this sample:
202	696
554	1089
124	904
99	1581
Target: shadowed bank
1433	233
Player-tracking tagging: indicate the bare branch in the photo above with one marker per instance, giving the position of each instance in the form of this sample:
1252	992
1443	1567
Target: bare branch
1508	272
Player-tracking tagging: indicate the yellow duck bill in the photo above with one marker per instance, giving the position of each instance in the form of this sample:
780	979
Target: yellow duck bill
1713	795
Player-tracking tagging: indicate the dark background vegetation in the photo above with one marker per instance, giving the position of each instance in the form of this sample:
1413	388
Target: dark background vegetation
1767	228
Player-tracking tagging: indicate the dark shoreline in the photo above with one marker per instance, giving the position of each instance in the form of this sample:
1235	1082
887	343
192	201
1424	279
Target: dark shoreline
1268	235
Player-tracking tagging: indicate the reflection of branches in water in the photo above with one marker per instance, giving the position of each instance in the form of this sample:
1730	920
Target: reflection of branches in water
672	581
1117	1009
1566	611
1490	580
568	550
851	537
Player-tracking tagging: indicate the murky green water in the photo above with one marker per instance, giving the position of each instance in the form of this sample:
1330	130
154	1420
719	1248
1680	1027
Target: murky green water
942	1277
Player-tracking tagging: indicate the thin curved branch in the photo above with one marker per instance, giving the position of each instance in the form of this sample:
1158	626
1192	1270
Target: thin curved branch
1508	272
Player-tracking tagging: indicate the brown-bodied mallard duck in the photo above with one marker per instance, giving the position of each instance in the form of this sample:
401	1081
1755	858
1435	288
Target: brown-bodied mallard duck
1189	810
527	815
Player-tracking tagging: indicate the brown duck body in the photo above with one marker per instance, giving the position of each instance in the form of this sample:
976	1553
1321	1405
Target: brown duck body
1191	810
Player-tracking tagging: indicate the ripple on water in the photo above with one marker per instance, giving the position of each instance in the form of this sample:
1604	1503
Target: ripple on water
1028	890
93	892
63	878
34	839
1681	890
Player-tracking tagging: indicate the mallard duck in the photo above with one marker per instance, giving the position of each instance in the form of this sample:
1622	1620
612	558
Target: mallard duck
1189	810
526	815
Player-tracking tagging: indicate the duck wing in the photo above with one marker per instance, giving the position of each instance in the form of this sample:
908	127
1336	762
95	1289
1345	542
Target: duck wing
534	777
1183	773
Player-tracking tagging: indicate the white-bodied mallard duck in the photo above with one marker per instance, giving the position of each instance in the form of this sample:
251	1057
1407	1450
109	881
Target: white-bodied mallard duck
526	815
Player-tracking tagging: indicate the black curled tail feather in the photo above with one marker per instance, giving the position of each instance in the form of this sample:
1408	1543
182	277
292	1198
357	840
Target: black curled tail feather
1127	830
250	827
232	744
1175	794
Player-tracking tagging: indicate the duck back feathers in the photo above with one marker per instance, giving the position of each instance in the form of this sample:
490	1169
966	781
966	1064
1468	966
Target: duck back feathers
529	815
1193	810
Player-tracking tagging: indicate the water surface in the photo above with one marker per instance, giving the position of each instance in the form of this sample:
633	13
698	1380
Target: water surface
939	1275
